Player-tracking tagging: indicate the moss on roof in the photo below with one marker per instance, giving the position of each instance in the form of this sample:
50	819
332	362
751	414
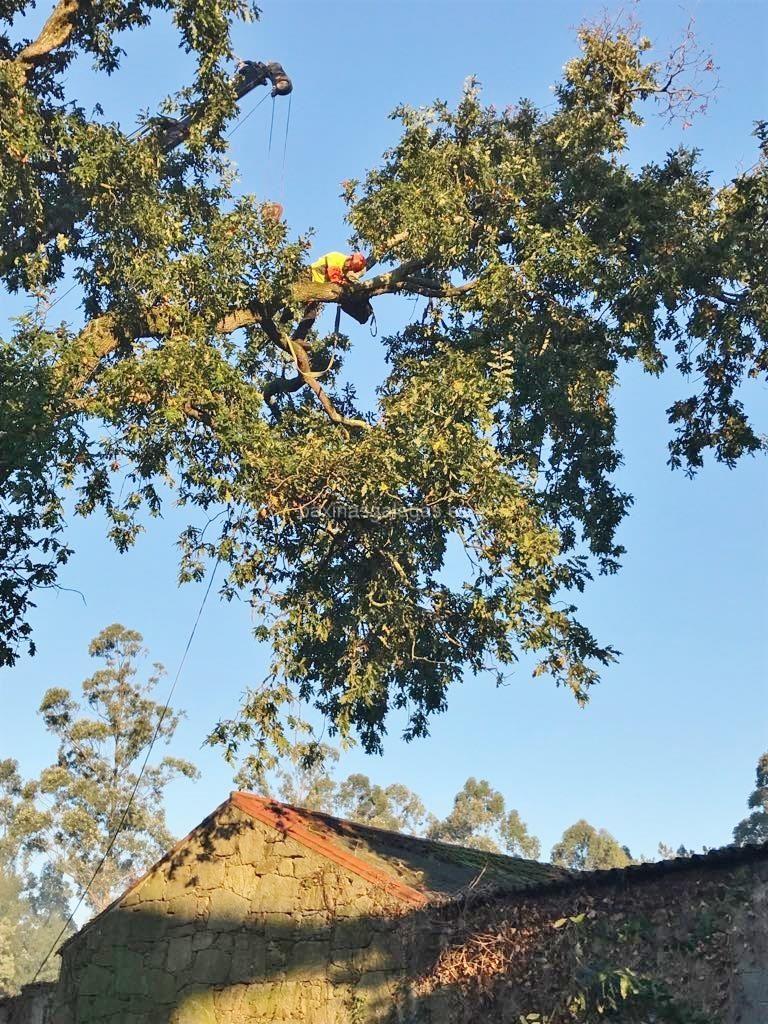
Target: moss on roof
431	866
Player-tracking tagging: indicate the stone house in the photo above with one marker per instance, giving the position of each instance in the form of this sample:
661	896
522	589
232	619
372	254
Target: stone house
267	913
270	913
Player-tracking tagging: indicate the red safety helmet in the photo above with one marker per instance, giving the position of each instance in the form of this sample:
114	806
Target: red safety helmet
356	262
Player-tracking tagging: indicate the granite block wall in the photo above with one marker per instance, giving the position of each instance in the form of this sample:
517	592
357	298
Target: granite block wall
243	924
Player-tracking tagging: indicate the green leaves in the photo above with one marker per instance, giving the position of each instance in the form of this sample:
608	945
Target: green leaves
548	264
102	743
754	828
585	848
479	819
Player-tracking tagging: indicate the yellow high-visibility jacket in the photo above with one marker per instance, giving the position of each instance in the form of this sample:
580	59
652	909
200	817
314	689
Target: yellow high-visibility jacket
320	268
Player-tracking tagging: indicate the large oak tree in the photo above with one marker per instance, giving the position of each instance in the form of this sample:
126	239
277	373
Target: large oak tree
197	378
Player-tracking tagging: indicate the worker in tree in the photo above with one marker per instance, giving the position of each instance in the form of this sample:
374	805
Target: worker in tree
338	268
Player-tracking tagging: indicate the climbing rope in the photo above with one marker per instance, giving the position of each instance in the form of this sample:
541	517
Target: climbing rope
271	128
241	121
274	180
55	302
285	147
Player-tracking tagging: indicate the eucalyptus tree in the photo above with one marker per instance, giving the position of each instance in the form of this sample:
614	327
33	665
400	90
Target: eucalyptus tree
394	807
29	924
754	828
33	896
200	375
303	777
23	824
582	847
479	818
106	817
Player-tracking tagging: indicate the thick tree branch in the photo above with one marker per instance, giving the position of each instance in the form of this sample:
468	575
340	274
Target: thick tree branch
333	414
250	74
100	338
170	132
94	343
403	279
281	386
391	281
436	289
55	33
306	375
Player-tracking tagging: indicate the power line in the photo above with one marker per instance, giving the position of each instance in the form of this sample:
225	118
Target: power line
129	805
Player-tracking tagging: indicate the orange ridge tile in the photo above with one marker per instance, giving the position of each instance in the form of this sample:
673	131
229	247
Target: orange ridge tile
291	823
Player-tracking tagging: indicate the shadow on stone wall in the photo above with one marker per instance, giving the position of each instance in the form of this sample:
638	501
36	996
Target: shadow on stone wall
216	969
244	925
308	944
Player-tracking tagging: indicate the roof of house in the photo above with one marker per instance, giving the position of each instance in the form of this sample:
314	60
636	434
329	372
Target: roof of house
418	871
724	858
413	868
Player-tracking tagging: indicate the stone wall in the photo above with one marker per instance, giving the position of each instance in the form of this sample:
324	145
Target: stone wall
689	946
241	924
34	1005
749	987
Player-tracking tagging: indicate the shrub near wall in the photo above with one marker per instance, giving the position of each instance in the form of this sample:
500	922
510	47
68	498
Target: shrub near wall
683	948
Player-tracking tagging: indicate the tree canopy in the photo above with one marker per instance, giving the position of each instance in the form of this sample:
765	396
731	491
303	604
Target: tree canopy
754	828
394	807
31	920
97	814
479	818
586	848
33	903
197	377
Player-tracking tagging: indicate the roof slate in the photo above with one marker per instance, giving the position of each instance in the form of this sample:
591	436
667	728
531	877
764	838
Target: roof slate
424	865
417	870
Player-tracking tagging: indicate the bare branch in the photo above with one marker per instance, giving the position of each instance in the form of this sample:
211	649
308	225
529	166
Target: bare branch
684	91
436	289
388	246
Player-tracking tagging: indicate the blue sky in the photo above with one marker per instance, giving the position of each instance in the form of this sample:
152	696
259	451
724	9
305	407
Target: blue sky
666	750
